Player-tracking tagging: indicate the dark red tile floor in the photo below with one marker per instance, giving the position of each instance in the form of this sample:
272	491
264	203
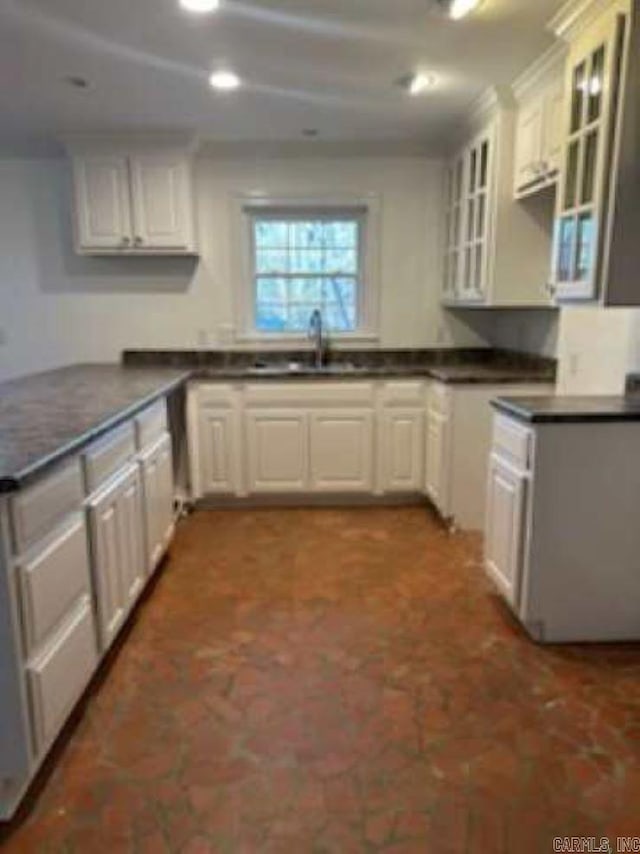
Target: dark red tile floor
339	681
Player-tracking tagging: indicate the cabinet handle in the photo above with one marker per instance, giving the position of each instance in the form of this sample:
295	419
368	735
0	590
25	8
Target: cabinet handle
551	288
125	241
138	241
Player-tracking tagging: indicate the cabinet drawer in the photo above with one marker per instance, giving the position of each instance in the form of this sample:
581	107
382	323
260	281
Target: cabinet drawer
39	508
439	398
151	424
52	579
216	395
403	394
511	441
60	674
105	457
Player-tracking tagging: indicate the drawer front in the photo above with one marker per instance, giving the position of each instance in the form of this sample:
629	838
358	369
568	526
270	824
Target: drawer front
310	394
439	398
218	395
403	394
512	441
38	509
151	424
60	674
104	458
52	579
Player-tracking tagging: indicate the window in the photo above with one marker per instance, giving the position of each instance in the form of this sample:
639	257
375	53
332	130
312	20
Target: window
295	255
303	261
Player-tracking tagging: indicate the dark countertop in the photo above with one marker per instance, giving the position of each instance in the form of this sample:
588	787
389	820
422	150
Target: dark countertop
570	410
451	374
45	417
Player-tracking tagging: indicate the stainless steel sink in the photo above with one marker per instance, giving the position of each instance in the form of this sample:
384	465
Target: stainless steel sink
302	369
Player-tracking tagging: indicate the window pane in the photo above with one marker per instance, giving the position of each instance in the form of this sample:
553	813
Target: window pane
307	261
341	318
271	290
271	261
566	248
306	235
271	318
340	291
271	233
307	291
585	247
341	234
341	261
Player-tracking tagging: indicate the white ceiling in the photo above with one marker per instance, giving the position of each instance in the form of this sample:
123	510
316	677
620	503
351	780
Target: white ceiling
325	64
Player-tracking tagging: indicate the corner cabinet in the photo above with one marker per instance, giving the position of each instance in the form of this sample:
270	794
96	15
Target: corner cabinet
486	232
594	83
133	202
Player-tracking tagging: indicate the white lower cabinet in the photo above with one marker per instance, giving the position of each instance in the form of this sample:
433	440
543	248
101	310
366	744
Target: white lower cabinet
438	468
341	451
506	492
59	674
116	527
277	446
219	443
156	465
401	453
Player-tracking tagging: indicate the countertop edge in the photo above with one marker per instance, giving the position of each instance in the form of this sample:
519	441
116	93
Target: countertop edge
26	476
529	416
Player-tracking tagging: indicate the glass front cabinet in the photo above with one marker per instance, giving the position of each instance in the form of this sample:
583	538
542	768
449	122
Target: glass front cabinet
468	199
593	81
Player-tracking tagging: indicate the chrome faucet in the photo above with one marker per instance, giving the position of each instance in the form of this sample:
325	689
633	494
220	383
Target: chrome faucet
316	335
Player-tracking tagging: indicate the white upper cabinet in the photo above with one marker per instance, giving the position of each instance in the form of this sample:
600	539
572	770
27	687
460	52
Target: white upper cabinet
133	200
162	201
487	234
103	208
540	96
594	82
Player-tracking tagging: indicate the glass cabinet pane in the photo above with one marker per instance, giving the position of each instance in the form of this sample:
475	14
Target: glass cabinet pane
468	268
590	155
480	219
472	170
456	226
566	244
477	265
471	209
595	86
458	180
571	187
484	164
577	96
585	247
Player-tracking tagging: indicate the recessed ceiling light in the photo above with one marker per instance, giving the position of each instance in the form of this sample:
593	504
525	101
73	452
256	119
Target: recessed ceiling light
310	133
224	81
459	8
416	84
201	7
76	81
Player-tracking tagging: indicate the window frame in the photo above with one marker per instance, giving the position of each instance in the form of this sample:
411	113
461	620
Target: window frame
366	209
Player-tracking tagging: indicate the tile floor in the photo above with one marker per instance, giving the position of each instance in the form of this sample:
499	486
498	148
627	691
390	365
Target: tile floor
339	681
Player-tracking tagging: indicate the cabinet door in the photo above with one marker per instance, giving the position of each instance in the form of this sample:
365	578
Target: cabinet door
103	205
131	534
505	527
157	482
552	128
277	450
219	452
162	208
401	450
341	451
529	143
478	198
116	528
453	229
593	86
438	473
106	547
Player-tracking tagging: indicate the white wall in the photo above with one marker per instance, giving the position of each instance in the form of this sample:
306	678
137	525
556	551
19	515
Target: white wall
56	307
597	348
530	330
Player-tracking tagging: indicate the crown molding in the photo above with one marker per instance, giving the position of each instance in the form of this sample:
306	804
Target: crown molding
544	68
105	142
575	15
